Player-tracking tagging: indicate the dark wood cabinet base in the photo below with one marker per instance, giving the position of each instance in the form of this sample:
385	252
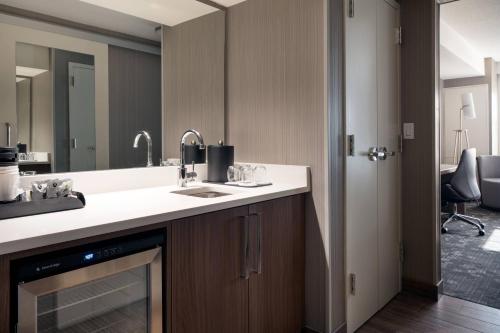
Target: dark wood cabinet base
205	261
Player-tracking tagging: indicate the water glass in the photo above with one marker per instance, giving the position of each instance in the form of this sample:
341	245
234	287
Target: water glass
260	174
233	174
247	175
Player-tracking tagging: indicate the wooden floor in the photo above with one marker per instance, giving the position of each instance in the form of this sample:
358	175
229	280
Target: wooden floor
409	313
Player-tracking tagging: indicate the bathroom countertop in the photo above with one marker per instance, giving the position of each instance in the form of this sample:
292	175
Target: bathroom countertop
126	209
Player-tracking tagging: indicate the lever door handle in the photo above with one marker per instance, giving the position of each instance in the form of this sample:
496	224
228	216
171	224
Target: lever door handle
379	154
384	153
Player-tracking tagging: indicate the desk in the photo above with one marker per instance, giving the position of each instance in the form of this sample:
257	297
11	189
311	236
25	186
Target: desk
447	169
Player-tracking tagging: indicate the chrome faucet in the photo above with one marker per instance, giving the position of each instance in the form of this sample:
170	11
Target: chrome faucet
150	145
185	176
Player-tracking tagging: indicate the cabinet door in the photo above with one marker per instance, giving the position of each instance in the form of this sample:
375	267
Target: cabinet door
277	292
207	291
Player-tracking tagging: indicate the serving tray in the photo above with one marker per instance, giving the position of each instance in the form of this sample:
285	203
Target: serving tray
27	208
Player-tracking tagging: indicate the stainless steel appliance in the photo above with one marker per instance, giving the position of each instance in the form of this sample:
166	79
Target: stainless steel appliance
105	287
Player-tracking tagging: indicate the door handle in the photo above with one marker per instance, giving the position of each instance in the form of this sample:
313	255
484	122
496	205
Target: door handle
374	154
379	154
258	264
384	153
73	143
245	248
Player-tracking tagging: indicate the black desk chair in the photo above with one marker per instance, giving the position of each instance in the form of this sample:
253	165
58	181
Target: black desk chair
463	188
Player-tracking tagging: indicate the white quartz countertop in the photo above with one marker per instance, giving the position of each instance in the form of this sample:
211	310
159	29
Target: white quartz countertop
114	211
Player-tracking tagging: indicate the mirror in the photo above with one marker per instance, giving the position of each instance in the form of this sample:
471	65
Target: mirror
81	79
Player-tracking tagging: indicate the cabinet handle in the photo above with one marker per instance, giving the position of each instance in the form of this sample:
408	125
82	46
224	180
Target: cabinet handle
258	269
245	251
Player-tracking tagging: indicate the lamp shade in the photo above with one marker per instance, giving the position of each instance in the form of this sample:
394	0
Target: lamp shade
468	106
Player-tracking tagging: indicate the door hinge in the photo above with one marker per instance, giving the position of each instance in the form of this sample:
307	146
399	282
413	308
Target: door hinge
399	35
351	8
72	81
350	145
352	282
401	252
400	143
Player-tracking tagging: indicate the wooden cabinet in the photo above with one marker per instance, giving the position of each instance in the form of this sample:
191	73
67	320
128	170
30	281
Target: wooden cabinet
276	295
208	294
239	270
210	255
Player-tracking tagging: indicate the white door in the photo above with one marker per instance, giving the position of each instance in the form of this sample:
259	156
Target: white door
82	154
372	183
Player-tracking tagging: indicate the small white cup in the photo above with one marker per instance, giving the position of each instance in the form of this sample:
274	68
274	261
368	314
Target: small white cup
9	186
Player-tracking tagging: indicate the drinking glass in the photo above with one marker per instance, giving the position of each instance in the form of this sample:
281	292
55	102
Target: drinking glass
260	174
233	174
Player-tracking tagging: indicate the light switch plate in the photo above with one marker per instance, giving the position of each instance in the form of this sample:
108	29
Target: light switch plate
409	131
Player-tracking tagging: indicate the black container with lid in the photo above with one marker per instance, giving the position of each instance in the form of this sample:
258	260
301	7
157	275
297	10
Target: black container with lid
219	159
193	153
8	156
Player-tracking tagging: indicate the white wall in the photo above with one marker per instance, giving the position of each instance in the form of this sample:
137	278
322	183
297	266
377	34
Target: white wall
10	35
479	128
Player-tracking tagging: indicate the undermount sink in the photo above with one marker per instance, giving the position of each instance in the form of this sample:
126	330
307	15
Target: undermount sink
203	192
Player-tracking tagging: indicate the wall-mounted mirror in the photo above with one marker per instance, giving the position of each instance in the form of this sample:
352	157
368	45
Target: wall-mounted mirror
81	78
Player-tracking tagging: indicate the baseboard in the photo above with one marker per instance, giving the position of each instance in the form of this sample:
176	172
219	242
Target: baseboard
341	329
423	289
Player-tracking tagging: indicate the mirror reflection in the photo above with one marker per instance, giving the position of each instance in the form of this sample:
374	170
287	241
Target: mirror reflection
95	87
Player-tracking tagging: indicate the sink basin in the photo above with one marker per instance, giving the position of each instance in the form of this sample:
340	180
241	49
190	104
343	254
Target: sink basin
204	192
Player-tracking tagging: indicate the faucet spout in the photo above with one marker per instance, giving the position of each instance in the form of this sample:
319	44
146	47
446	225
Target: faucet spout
146	135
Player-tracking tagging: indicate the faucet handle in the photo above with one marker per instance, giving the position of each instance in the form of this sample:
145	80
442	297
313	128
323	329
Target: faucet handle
191	176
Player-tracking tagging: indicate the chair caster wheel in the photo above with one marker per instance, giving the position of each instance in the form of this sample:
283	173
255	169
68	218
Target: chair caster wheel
481	232
482	225
445	230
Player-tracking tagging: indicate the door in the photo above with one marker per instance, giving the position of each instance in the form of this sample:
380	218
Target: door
82	133
208	292
277	282
372	188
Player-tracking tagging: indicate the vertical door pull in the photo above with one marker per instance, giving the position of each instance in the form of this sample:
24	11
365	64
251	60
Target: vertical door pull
258	268
245	250
73	143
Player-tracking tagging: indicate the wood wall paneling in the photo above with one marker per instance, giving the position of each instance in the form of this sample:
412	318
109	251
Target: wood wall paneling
276	110
420	193
194	80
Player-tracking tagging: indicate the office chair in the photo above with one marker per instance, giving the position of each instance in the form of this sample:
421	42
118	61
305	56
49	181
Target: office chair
463	188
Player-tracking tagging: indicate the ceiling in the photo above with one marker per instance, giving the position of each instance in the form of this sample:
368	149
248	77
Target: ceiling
167	12
84	13
133	17
477	22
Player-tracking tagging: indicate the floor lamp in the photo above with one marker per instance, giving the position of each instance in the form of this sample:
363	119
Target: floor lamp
466	111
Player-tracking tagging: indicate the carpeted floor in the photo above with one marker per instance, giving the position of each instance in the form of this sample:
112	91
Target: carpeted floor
470	263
